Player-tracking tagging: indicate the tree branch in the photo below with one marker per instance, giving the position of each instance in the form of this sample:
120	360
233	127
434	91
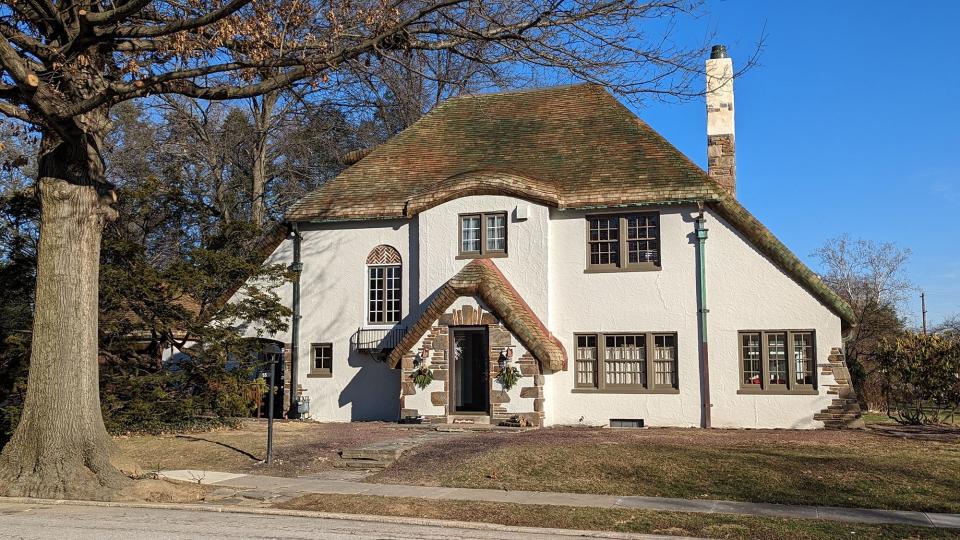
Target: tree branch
115	15
182	26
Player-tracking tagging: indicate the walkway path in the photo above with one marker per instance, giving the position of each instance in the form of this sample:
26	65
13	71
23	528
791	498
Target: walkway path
267	487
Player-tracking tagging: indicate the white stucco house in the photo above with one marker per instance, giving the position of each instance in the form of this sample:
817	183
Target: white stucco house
553	231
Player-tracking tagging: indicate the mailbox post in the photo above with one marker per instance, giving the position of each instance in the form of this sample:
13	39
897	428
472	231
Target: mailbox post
271	368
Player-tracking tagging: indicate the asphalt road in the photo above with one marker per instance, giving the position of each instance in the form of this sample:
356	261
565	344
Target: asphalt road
64	521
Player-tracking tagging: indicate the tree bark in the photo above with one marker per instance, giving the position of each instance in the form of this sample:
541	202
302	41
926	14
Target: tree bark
61	448
262	116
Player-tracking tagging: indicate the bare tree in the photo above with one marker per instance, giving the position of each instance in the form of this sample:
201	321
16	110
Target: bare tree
65	63
949	327
870	277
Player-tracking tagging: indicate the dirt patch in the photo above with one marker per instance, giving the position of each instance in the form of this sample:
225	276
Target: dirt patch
839	468
163	491
300	448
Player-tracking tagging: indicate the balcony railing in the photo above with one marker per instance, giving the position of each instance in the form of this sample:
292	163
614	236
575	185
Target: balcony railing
378	341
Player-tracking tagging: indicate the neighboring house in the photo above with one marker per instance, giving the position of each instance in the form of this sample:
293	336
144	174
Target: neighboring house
553	230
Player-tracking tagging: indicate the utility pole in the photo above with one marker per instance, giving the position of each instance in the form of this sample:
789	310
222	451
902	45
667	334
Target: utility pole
923	310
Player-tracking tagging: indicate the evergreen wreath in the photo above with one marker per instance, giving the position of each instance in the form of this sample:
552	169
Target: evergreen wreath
508	377
422	376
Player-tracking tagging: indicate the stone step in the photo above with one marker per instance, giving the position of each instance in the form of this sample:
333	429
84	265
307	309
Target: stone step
825	417
372	453
468	419
843	408
364	463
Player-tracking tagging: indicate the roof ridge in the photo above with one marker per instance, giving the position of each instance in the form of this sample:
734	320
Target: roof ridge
515	91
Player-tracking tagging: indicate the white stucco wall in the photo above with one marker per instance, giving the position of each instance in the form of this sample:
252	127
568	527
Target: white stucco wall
527	246
745	291
332	303
545	263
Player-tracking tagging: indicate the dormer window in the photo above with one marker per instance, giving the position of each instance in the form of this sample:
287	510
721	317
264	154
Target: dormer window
483	235
624	242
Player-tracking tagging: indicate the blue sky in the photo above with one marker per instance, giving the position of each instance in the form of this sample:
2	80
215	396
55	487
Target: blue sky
851	124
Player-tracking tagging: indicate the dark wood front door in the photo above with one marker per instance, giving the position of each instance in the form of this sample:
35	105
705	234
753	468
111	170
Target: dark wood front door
471	370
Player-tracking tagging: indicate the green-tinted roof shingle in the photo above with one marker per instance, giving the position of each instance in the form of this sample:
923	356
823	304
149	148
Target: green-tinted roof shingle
578	142
568	147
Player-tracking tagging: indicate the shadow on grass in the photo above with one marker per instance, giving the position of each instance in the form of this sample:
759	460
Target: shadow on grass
218	443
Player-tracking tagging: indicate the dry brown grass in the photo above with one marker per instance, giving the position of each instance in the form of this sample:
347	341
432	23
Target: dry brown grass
300	448
604	519
836	468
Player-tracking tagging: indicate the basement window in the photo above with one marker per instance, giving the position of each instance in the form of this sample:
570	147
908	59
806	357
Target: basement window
634	423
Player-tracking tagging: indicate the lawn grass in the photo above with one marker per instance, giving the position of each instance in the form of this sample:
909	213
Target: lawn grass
604	519
300	448
853	469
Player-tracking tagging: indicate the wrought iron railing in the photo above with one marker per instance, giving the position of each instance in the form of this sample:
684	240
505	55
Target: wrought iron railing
378	340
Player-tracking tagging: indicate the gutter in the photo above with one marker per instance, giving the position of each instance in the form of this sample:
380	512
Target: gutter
701	233
297	268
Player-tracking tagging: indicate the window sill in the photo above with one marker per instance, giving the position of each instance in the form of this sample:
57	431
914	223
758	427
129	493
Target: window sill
613	269
319	375
625	391
468	256
778	392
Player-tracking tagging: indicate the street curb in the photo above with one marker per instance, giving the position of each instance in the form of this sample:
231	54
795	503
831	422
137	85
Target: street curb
423	522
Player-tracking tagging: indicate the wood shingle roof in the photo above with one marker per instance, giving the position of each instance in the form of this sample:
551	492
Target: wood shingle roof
482	279
577	143
569	147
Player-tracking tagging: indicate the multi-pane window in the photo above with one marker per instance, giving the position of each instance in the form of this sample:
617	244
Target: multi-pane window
627	242
750	355
470	234
777	361
322	361
625	360
777	358
642	240
631	362
665	360
604	241
586	361
383	296
483	235
803	357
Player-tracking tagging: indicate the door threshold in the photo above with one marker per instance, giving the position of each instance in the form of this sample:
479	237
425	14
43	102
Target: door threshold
473	418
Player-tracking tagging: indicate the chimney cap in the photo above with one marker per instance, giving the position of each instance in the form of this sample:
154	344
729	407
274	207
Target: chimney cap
718	51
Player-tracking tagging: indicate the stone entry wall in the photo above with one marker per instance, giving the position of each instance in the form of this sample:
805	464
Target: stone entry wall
844	412
525	399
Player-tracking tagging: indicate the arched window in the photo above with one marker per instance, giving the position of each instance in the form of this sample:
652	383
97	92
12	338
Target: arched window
383	285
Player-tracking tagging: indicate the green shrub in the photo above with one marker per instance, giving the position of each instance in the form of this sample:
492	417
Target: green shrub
921	377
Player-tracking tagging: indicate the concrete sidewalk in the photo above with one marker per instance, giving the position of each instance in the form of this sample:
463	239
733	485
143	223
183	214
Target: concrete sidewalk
297	486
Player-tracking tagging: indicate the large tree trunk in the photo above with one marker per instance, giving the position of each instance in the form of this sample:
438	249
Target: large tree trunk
263	111
60	448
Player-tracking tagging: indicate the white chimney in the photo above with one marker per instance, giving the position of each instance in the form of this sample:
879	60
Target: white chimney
721	145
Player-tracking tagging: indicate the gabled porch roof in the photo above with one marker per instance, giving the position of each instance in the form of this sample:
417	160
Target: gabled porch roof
482	279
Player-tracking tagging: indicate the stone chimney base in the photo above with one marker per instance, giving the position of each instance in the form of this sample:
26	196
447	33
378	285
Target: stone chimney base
721	161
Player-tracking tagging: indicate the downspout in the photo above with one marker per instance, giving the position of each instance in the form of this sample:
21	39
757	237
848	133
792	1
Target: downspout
701	231
296	267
